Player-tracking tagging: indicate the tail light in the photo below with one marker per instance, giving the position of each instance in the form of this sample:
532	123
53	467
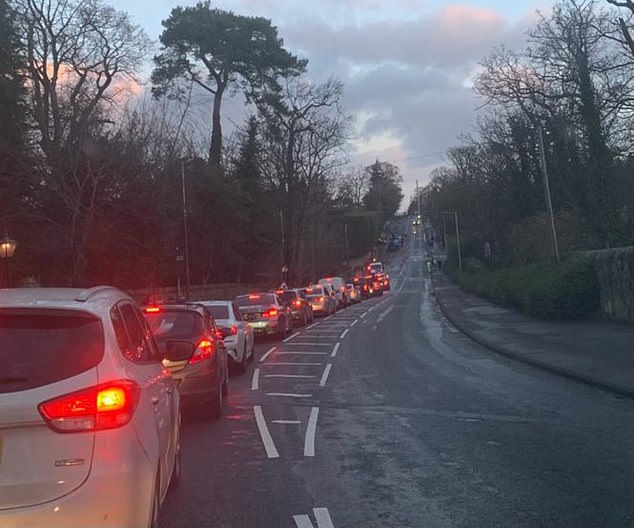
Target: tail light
204	350
234	330
104	406
272	313
321	299
152	309
297	303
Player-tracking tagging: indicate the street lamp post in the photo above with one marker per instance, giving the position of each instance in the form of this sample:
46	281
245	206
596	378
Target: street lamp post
7	248
455	215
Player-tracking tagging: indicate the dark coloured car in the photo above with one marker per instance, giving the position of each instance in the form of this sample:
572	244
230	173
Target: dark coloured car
295	299
265	313
203	377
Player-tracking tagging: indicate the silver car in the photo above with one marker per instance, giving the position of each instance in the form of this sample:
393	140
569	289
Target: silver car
89	417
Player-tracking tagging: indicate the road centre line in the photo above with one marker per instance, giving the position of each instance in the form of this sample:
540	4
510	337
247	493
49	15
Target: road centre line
297	352
289	395
291	337
298	364
384	314
271	350
300	376
334	350
309	439
324	376
344	333
255	381
312	326
290	422
265	435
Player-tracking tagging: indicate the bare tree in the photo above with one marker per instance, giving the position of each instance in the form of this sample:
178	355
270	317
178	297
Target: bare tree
81	56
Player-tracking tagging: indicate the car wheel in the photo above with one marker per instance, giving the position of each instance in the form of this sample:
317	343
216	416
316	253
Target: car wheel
156	503
305	319
225	384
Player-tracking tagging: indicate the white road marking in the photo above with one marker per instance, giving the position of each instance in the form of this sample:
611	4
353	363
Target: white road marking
363	315
311	344
311	429
384	314
303	353
334	350
354	323
286	363
322	516
289	395
312	326
344	333
265	435
299	376
255	381
270	351
292	422
329	317
291	337
324	376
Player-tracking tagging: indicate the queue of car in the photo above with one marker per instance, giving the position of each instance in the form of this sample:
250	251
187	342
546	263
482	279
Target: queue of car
101	383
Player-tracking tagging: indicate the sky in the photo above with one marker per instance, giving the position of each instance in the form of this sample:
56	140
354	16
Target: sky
406	65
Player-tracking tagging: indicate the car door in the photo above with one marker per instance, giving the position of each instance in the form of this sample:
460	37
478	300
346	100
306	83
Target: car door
158	394
243	328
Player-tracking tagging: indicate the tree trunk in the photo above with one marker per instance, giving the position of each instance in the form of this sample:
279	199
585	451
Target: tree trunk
215	150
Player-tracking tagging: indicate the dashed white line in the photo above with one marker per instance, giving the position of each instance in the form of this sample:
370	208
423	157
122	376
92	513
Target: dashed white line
265	435
354	323
301	353
302	521
312	326
344	333
311	344
298	376
309	440
293	364
335	350
323	518
384	314
363	315
270	351
289	395
324	376
255	381
291	337
290	422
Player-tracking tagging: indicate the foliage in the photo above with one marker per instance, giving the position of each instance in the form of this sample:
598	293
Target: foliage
215	50
384	189
567	291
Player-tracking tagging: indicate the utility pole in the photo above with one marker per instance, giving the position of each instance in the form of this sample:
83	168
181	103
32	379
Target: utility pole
186	229
418	198
549	203
458	241
283	246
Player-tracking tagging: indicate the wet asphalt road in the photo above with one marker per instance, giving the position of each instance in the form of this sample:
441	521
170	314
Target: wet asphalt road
385	416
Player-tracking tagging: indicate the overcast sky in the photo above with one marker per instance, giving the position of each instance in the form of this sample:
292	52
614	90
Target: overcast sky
406	65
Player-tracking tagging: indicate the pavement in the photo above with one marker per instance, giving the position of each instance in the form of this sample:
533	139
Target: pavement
599	354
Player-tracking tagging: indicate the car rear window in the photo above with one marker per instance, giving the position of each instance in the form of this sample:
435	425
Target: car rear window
287	296
41	347
315	291
218	311
255	299
175	324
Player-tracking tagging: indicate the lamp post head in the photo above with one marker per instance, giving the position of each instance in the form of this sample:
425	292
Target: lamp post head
7	246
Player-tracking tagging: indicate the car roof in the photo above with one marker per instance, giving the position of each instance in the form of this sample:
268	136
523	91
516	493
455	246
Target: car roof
88	299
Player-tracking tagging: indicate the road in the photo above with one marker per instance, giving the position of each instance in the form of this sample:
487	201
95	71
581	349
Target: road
386	416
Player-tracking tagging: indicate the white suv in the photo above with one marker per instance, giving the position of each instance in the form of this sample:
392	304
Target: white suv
89	417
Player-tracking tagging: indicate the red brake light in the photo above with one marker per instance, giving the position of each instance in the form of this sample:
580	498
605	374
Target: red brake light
321	299
204	350
273	312
297	302
152	309
103	406
254	296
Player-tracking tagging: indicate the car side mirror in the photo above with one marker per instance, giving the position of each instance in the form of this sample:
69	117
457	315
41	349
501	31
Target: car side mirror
179	350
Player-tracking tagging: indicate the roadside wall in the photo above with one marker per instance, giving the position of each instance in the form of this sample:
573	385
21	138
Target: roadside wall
615	272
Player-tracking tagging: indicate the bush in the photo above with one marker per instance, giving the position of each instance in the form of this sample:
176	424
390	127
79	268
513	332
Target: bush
567	291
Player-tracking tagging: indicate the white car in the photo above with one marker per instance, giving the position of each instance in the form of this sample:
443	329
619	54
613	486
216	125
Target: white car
89	417
338	286
237	334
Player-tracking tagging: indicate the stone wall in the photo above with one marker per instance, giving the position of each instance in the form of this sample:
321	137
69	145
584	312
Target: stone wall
615	271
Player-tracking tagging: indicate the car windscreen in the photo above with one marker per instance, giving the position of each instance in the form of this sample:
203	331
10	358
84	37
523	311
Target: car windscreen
219	311
255	299
40	347
175	324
